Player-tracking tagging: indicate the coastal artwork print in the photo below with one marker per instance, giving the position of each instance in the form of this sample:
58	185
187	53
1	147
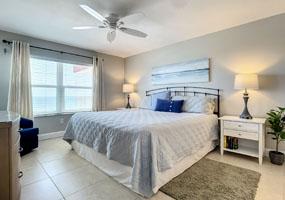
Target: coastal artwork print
188	72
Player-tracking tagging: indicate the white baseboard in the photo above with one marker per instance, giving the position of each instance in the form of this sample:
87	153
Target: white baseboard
46	136
267	151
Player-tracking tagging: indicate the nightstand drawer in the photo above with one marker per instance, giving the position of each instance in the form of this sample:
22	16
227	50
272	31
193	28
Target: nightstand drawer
241	134
240	126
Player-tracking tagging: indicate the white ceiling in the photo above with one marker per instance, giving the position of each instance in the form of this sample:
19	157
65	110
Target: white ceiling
165	21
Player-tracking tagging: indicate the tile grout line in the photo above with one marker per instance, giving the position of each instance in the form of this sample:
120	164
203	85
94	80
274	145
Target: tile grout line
37	161
43	162
50	177
86	187
70	170
51	160
55	159
88	163
34	182
52	181
48	160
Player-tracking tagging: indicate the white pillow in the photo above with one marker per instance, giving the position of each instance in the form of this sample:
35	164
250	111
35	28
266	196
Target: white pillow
145	102
197	104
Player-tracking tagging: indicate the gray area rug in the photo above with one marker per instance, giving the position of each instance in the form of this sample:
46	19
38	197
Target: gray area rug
209	179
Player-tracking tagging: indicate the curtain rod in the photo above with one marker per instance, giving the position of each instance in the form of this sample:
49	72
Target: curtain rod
42	48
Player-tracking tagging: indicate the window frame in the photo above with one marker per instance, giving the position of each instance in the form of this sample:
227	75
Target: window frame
60	90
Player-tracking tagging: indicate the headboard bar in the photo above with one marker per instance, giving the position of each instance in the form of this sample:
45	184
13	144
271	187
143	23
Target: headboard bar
185	87
186	90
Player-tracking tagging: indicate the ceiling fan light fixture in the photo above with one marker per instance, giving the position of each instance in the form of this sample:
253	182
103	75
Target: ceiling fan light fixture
111	35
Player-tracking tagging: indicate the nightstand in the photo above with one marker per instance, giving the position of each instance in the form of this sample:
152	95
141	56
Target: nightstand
125	108
249	133
121	108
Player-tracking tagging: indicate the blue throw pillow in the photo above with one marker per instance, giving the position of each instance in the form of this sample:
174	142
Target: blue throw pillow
169	105
176	106
160	95
162	105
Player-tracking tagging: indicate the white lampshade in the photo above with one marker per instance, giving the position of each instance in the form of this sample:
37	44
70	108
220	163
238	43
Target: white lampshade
246	81
128	88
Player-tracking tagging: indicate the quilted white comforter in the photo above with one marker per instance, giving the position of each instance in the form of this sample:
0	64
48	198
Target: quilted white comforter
146	140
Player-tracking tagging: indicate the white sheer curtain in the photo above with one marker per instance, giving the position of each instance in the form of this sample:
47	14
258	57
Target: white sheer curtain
20	91
98	85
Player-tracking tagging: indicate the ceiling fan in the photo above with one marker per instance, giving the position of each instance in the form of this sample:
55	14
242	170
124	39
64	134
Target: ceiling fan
112	22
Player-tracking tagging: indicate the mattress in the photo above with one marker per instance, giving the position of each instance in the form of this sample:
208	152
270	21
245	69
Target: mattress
147	142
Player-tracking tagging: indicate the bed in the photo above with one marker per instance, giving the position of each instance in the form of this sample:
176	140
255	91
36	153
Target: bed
144	149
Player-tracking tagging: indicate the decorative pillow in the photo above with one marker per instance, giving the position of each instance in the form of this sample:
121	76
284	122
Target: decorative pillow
169	105
162	105
160	95
197	104
145	102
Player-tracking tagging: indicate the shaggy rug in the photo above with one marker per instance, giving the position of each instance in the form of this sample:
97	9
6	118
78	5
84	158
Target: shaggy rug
209	179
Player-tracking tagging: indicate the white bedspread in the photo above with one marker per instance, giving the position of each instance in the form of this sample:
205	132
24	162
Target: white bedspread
148	141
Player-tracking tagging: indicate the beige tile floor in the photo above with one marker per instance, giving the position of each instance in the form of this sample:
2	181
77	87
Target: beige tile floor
54	172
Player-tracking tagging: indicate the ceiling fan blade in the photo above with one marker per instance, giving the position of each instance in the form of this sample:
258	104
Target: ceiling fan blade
133	17
83	27
133	32
93	13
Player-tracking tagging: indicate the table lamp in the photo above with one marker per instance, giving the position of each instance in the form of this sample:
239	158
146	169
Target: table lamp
244	82
128	88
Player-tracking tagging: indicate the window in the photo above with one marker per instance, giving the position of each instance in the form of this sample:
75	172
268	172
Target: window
60	87
77	84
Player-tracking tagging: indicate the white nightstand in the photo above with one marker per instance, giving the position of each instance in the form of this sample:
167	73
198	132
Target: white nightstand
121	108
250	134
125	108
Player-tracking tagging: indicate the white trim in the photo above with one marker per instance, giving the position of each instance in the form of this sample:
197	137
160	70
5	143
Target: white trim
45	136
267	151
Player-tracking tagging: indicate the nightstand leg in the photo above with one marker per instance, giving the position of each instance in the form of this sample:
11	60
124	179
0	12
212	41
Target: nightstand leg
260	160
222	145
222	139
261	141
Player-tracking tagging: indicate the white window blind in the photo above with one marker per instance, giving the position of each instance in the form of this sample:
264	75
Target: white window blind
77	83
60	87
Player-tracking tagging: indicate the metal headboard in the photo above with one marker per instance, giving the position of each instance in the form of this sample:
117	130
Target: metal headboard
184	90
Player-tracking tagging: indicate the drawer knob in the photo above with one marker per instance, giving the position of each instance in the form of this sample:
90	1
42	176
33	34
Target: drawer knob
20	149
20	175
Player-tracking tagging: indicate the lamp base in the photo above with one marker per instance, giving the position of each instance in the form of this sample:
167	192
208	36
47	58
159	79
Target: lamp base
245	113
128	104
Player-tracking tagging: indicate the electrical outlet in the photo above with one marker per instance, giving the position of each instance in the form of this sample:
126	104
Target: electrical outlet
61	120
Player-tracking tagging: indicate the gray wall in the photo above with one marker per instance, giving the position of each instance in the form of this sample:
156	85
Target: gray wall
257	47
113	78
